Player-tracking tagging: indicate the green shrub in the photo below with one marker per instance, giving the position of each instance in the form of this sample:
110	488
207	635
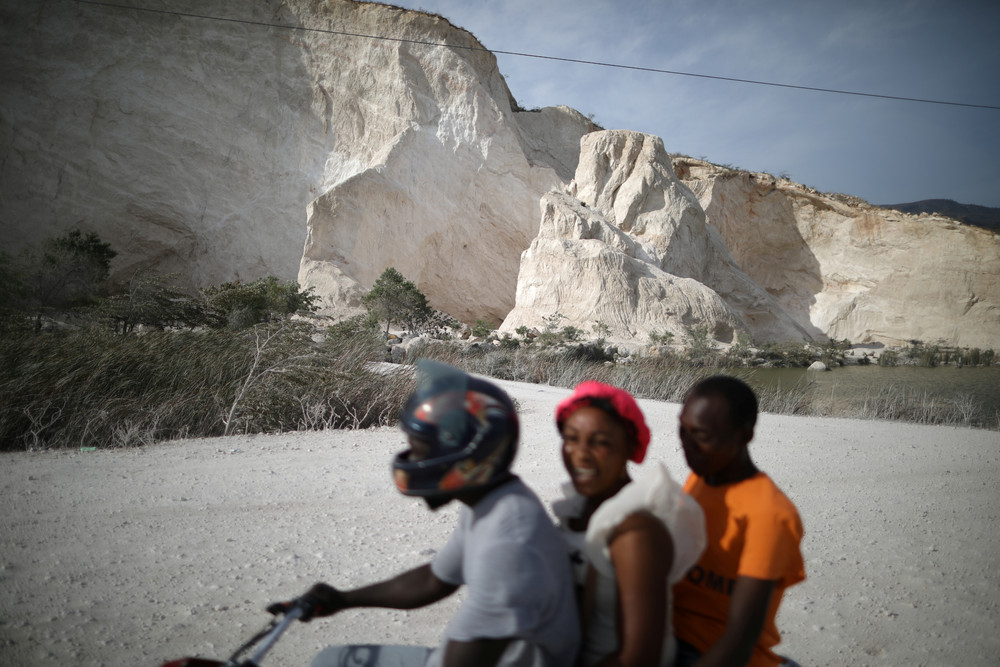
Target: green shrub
364	325
929	356
147	300
787	354
482	328
888	358
593	351
509	344
241	305
571	334
741	348
976	357
665	338
62	274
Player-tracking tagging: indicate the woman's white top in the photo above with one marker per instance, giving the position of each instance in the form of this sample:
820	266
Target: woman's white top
656	493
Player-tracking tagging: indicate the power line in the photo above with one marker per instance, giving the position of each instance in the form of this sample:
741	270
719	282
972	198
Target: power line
539	56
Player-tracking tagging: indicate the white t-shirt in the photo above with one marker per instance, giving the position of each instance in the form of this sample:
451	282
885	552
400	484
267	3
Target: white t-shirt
516	570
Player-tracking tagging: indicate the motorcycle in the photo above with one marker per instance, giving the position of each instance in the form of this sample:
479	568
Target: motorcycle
368	655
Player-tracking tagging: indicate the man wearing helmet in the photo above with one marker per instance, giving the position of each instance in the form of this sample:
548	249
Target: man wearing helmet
519	607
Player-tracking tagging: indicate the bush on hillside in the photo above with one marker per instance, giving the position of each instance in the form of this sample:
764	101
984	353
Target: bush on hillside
241	305
147	300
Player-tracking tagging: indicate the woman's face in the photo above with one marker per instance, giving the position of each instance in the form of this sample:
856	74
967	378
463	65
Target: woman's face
595	452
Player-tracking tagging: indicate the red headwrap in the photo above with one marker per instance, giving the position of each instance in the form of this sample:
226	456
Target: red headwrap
619	399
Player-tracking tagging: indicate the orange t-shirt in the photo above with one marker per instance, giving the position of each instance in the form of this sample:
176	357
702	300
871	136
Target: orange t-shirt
753	530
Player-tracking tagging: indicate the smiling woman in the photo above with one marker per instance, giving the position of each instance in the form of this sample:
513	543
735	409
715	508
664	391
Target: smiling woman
629	541
596	447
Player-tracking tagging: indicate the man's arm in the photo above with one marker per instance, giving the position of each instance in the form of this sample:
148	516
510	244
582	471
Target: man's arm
744	623
411	589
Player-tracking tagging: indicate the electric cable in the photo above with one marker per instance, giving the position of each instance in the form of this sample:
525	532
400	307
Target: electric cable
577	61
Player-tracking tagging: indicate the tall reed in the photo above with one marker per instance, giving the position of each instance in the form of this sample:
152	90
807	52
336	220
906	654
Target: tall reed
90	388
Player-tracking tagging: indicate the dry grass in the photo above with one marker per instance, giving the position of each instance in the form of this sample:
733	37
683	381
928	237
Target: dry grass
89	388
657	378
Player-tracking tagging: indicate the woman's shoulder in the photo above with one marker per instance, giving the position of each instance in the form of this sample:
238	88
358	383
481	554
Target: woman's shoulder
653	492
653	496
641	522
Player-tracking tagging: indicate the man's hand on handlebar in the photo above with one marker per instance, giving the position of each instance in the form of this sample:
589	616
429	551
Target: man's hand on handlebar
319	601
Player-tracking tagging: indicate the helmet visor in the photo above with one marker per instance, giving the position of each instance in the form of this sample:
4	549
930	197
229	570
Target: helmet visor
439	404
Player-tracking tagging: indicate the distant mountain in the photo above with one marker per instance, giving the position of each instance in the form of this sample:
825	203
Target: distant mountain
970	214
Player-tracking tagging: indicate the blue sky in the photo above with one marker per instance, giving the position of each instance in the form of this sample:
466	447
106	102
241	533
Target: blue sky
885	151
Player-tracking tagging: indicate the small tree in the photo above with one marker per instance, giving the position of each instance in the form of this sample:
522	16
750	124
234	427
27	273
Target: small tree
394	299
699	343
66	272
549	335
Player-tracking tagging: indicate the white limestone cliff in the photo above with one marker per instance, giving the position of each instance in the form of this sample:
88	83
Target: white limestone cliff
192	146
631	251
445	176
277	139
228	149
852	270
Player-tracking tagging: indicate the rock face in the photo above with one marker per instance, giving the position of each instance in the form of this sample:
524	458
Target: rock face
851	270
192	146
226	149
435	175
274	138
631	253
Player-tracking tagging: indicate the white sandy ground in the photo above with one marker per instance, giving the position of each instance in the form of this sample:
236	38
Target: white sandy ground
132	558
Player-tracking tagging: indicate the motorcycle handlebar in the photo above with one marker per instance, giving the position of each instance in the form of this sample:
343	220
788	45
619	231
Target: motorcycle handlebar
272	637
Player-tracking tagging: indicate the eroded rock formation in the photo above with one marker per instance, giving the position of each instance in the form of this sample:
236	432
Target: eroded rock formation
852	270
631	252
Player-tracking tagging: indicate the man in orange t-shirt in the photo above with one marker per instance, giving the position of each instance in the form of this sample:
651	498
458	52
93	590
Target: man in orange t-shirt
724	609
